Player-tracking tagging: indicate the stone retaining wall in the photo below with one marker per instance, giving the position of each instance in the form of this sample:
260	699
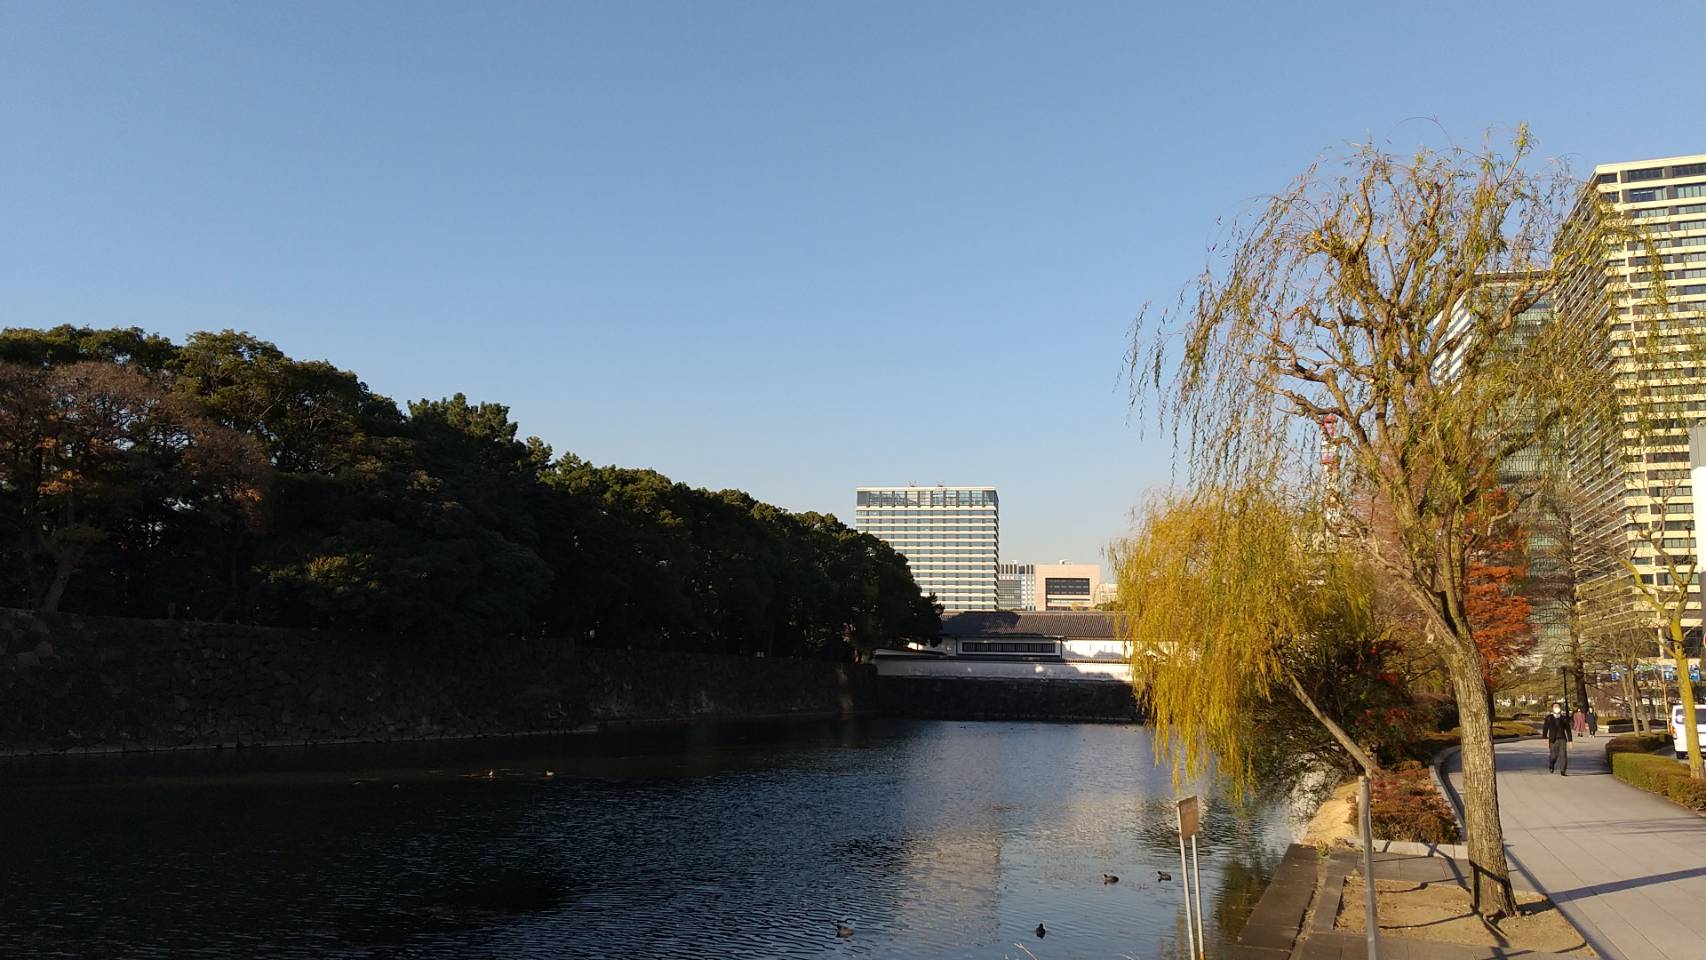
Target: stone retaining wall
966	698
99	683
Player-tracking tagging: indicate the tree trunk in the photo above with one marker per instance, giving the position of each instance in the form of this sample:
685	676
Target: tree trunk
1369	767
1581	678
1632	696
1490	887
1685	693
62	568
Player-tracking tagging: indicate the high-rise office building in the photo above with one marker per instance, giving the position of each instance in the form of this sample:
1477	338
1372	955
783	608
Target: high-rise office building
1016	586
950	537
1640	478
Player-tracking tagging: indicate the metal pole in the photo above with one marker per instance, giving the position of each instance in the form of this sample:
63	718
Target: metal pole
1564	672
1184	881
1196	872
1368	867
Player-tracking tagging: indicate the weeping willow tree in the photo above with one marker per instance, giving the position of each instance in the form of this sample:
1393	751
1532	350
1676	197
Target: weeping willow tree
1242	586
1387	301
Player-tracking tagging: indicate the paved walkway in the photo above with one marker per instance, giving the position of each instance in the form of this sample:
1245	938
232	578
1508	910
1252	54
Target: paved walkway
1626	867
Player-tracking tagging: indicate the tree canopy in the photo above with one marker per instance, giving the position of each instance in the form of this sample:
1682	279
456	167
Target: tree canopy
1376	301
1237	601
222	479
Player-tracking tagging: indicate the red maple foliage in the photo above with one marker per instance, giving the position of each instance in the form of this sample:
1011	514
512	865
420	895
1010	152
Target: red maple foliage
1498	610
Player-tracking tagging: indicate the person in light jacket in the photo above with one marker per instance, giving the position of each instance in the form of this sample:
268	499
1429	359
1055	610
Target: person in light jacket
1556	730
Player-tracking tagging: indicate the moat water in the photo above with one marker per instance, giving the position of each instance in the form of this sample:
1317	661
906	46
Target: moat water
930	839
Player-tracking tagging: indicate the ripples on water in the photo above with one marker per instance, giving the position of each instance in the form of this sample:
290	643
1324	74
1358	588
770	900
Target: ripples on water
933	839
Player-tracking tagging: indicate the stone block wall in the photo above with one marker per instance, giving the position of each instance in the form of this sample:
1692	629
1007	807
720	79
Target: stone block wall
966	698
99	683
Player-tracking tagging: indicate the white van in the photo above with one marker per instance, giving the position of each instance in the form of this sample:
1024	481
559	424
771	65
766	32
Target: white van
1676	728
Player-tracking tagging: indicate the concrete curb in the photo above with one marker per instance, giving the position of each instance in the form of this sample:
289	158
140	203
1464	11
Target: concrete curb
1442	783
1411	848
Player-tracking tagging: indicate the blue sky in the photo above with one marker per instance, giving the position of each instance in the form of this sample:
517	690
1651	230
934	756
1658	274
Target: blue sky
790	247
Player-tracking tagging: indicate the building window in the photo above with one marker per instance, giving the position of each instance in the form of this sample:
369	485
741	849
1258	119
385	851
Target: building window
1066	586
1645	173
1032	647
1643	195
1687	190
1688	169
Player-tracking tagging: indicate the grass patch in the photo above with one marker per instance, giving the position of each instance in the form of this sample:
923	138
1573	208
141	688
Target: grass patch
1661	775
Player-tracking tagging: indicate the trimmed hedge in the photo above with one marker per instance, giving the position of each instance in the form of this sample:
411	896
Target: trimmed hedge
1635	743
1403	805
1660	775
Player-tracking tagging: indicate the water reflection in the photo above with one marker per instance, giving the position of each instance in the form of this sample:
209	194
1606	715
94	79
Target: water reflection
931	839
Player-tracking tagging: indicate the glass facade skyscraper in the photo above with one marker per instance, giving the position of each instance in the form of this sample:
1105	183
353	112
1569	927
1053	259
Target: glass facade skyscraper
950	537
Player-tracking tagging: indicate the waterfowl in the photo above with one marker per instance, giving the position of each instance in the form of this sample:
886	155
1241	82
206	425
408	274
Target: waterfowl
1110	878
1159	875
842	929
1042	931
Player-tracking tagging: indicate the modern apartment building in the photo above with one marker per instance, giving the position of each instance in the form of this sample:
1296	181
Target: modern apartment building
1638	480
1016	586
950	537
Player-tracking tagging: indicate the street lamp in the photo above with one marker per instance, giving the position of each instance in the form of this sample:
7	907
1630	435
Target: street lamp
1564	673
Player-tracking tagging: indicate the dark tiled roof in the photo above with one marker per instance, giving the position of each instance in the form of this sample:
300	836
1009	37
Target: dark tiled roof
1080	624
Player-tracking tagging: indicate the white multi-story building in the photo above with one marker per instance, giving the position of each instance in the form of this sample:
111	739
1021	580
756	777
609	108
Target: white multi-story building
950	537
1641	481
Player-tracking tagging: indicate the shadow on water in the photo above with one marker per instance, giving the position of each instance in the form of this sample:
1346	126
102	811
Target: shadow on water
931	839
495	895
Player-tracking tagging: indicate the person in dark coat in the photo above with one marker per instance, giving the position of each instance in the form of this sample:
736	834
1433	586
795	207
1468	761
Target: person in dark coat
1556	729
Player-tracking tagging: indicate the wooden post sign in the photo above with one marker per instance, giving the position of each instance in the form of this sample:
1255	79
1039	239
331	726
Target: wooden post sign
1190	817
1190	824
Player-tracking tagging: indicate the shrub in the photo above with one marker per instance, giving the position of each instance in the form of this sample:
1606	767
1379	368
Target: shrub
1634	743
1437	711
1661	775
1403	805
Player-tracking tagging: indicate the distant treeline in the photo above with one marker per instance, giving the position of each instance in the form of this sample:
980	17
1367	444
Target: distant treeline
222	480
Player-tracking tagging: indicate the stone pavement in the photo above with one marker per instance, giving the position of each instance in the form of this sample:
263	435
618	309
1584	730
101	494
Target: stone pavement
1626	867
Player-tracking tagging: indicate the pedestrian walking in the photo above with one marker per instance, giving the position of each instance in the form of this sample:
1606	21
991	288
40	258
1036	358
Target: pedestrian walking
1593	723
1556	729
1580	721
